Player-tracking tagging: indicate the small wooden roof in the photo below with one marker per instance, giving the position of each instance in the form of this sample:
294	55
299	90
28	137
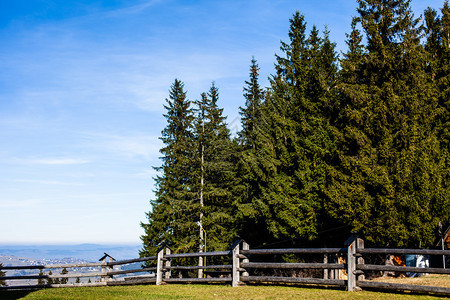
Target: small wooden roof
105	256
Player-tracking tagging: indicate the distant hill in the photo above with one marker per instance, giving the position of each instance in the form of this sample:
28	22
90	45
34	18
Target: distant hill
86	252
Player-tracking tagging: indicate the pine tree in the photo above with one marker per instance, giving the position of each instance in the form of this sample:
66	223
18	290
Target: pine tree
2	282
215	171
172	220
50	280
64	272
254	96
41	280
387	182
78	280
247	148
294	136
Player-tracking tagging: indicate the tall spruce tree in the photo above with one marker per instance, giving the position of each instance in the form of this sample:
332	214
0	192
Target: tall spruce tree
387	185
215	170
174	213
247	150
254	96
293	136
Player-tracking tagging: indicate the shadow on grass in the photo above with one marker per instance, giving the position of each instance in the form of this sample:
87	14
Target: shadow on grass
14	294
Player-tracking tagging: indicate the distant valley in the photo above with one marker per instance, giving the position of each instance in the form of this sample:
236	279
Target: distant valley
31	255
85	252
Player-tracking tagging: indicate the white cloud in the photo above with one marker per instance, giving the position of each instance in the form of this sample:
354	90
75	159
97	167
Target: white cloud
48	182
20	203
132	145
54	161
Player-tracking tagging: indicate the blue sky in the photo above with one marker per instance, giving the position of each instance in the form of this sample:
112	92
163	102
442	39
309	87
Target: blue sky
82	88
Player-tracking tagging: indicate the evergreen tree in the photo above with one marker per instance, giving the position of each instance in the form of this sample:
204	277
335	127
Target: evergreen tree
175	210
294	137
2	282
247	151
254	96
387	184
41	280
78	280
50	280
215	171
64	272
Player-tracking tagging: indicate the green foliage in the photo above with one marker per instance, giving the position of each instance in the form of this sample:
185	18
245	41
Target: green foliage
362	146
388	180
50	280
2	282
41	280
293	136
64	272
175	209
195	178
214	171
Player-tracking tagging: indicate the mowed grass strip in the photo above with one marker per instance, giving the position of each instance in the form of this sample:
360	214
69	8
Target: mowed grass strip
433	280
193	291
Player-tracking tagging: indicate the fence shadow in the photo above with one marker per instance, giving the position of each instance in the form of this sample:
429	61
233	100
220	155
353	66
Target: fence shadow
14	294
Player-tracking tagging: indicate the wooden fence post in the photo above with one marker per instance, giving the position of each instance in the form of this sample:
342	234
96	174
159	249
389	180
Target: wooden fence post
159	266
235	267
168	272
245	246
105	269
325	271
360	260
351	264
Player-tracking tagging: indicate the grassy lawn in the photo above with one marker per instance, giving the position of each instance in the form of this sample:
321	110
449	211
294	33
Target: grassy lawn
435	280
192	291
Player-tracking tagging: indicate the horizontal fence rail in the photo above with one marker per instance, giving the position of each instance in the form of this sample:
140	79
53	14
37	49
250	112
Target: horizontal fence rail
361	268
341	267
281	279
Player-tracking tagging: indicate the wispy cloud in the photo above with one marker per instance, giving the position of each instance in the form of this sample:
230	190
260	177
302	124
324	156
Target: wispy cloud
134	9
131	145
53	161
4	203
48	182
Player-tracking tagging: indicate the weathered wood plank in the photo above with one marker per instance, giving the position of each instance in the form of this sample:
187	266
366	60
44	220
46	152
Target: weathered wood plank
131	282
19	277
366	267
235	274
217	279
129	261
351	266
408	287
34	287
293	251
263	265
403	251
293	280
197	254
198	267
57	266
110	273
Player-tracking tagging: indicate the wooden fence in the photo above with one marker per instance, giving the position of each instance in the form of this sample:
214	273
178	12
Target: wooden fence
343	267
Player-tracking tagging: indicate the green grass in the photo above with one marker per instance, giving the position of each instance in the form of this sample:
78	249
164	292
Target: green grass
192	291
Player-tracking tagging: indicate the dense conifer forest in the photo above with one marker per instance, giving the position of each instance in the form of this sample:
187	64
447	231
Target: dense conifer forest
333	145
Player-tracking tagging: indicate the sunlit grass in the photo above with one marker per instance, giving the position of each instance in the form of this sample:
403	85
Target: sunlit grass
192	291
